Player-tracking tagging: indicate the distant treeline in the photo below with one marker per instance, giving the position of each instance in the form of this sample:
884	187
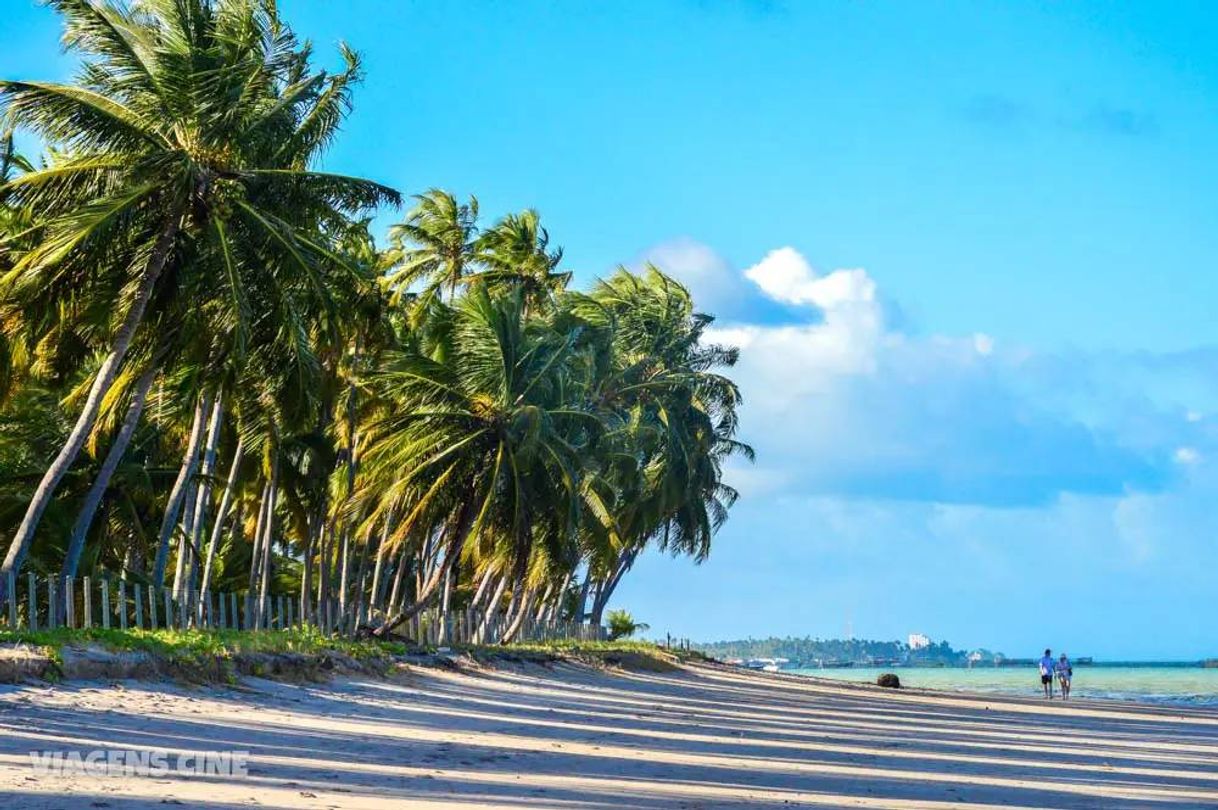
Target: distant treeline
813	650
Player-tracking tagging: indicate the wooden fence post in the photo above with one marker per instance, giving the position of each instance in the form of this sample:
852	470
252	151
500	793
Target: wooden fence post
33	597
69	602
152	621
122	604
52	613
167	603
12	600
105	595
139	607
87	584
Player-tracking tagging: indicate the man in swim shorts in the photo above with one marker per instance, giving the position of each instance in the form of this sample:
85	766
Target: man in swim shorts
1046	673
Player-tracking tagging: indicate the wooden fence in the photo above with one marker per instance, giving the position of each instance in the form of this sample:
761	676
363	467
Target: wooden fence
47	603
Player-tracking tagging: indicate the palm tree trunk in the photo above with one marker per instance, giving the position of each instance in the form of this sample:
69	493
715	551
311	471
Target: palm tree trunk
559	597
178	493
185	528
20	544
446	594
203	490
256	551
491	609
465	519
378	570
399	579
267	544
358	601
87	511
581	604
323	577
226	501
522	612
306	571
482	586
543	603
610	584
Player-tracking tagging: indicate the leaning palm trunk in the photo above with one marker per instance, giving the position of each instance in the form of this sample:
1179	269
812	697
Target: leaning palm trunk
226	501
203	491
178	494
581	603
517	622
378	570
482	586
559	598
491	608
87	511
102	383
185	529
399	579
610	584
457	538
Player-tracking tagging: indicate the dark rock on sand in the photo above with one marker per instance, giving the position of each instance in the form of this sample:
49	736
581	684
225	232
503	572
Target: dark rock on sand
888	681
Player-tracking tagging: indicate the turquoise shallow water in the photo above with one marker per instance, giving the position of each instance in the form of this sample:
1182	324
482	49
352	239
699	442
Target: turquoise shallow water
1149	684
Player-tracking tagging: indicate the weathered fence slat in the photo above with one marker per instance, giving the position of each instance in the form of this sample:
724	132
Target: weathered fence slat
52	613
87	584
122	604
32	593
12	600
105	605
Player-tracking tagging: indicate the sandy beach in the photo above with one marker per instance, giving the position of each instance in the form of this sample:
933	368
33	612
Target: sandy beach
574	736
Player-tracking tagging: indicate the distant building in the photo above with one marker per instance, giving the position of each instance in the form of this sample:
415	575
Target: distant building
917	641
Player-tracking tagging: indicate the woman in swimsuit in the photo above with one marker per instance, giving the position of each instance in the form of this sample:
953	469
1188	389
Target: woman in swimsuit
1064	673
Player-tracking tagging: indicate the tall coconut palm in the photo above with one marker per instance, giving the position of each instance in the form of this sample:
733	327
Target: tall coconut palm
188	140
516	250
483	444
434	248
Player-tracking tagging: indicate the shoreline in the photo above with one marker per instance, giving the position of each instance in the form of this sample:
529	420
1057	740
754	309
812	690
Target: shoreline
570	734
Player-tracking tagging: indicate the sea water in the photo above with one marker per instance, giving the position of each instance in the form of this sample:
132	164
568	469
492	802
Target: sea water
1181	684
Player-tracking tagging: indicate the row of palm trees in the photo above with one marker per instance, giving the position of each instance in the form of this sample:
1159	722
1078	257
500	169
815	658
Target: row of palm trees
211	377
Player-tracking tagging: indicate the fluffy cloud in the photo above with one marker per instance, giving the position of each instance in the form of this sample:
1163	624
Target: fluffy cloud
841	402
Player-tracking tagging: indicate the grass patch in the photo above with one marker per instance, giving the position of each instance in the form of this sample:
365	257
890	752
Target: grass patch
173	644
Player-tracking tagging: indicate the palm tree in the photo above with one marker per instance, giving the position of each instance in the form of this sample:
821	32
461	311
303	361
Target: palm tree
435	246
187	142
516	250
483	444
675	422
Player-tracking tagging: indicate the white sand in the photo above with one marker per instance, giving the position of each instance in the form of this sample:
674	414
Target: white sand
576	737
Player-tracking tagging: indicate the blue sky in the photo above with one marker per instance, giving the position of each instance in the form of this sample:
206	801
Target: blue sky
968	251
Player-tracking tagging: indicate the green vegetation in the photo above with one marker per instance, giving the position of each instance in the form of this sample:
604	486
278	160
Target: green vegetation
813	651
623	625
221	656
238	389
175	644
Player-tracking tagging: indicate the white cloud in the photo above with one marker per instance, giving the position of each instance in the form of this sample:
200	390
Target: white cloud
709	278
786	276
848	404
1187	455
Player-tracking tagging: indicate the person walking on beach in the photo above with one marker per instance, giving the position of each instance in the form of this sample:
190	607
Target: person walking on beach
1064	673
1046	673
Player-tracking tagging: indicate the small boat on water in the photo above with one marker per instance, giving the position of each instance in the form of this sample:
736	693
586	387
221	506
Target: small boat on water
766	664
